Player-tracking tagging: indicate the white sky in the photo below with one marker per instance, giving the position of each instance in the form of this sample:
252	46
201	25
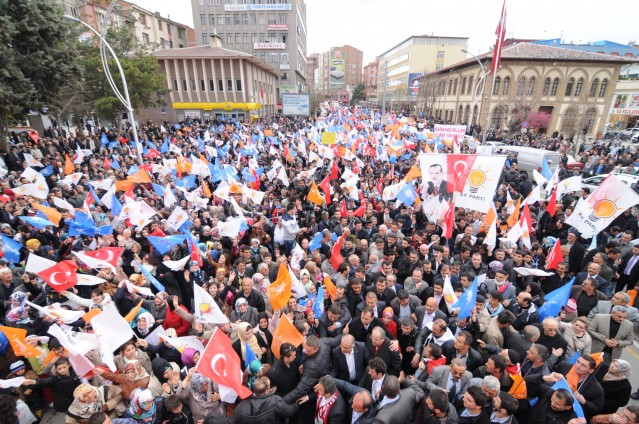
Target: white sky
375	26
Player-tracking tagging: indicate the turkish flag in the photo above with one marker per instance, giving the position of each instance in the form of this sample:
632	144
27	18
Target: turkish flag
554	256
109	255
220	363
355	167
61	276
359	212
107	163
449	221
343	209
552	203
380	186
152	154
195	254
336	256
525	216
458	166
325	185
334	171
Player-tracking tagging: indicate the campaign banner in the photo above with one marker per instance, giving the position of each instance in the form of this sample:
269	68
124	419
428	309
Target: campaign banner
336	71
449	132
482	182
296	104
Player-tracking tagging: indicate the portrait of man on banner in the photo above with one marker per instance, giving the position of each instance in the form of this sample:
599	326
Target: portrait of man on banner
433	169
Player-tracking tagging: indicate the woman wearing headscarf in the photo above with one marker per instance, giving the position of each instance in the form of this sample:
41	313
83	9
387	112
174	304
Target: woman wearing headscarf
189	359
202	396
18	315
616	386
145	325
168	376
244	312
264	336
247	340
388	319
143	407
133	377
88	399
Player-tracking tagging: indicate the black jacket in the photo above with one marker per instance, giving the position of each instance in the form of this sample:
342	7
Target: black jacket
542	413
64	388
283	377
473	361
265	409
340	367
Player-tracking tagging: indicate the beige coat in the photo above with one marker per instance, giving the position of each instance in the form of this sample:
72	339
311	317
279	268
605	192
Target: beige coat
599	330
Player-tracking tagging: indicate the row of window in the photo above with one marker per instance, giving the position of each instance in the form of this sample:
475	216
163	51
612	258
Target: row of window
243	19
211	85
244	38
218	2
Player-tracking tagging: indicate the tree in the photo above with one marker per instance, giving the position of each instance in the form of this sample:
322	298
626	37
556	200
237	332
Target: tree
39	57
359	93
538	120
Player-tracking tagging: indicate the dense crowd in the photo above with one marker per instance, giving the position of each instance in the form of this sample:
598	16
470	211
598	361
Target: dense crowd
380	343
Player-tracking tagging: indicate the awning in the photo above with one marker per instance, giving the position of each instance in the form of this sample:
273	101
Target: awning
228	106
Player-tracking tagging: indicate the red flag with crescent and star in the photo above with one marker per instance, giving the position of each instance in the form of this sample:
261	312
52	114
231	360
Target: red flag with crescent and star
61	276
458	166
220	363
109	255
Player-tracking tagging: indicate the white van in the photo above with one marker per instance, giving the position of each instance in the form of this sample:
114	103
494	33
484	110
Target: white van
530	158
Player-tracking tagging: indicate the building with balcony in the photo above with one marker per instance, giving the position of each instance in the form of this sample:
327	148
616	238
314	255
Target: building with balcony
339	72
211	81
401	65
273	32
575	87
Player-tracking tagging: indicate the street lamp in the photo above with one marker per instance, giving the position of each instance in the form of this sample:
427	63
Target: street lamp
125	100
481	81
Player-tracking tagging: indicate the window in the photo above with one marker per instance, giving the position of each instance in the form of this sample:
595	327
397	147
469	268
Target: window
544	91
201	2
229	38
455	87
283	18
272	37
463	86
163	109
604	85
579	86
185	87
176	87
439	66
180	33
202	85
271	20
496	86
471	87
450	87
238	85
440	55
162	42
555	85
229	85
202	19
284	75
498	117
220	85
571	82
262	37
504	91
220	19
193	87
244	19
593	87
228	19
160	24
253	18
212	20
74	11
236	19
589	120
246	38
238	38
211	85
531	87
145	39
284	57
520	86
142	19
283	38
205	38
253	37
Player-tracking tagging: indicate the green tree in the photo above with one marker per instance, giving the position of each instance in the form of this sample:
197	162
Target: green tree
39	58
359	93
147	86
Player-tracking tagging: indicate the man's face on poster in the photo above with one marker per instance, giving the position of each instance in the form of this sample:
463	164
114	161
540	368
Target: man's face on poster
435	172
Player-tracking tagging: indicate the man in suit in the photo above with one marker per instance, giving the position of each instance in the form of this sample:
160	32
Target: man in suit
453	378
461	348
374	378
437	291
592	273
628	272
405	305
378	346
383	293
576	253
371	301
429	313
611	333
361	326
521	342
331	407
437	186
619	298
349	360
398	405
362	409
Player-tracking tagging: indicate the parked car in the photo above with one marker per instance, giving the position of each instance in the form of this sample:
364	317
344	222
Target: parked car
629	132
593	182
530	158
573	163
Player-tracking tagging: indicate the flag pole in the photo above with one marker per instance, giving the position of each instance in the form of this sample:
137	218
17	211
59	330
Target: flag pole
490	100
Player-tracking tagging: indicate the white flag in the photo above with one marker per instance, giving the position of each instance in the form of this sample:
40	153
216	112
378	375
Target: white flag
73	341
568	185
283	177
177	218
449	294
169	197
491	236
55	311
230	228
107	199
31	161
481	184
533	271
102	184
183	342
206	309
177	265
112	331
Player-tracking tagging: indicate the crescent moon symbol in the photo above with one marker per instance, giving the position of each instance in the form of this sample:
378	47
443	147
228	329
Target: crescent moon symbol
109	255
214	363
53	280
461	169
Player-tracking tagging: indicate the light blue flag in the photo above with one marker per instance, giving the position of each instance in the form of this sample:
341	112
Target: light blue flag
114	164
316	242
250	355
466	302
318	304
150	277
132	170
573	359
164	244
216	173
96	199
104	140
186	182
116	206
555	300
563	384
47	171
545	170
159	190
104	230
407	195
11	249
37	222
165	146
83	219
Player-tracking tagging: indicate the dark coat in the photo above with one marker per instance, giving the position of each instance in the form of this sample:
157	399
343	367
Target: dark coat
542	413
473	361
265	409
64	388
283	377
591	390
350	390
357	330
392	359
616	395
338	412
340	367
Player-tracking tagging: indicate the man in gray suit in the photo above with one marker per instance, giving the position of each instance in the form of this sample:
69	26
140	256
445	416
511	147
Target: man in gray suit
619	298
611	333
429	313
453	378
398	405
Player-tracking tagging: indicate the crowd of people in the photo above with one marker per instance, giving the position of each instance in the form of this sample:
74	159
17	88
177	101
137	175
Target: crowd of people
381	343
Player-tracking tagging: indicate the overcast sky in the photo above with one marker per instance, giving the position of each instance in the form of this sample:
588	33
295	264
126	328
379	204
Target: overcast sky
375	26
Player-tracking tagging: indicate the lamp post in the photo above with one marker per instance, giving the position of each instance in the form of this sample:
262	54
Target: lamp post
125	100
481	81
385	84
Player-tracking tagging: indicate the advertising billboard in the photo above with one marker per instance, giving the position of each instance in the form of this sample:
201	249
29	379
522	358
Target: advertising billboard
256	7
413	83
336	71
626	104
296	104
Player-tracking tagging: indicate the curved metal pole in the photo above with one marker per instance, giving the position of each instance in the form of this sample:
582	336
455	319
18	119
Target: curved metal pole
481	81
103	53
127	102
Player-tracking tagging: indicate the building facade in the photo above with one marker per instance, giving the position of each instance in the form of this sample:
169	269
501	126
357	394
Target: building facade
312	65
370	77
273	32
400	67
624	108
211	81
576	88
339	72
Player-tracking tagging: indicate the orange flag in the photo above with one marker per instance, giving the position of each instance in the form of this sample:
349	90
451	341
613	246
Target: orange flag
331	288
518	389
412	174
285	333
19	345
89	315
206	191
279	292
512	219
314	195
235	189
139	177
133	312
123	185
52	214
488	220
183	166
69	168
